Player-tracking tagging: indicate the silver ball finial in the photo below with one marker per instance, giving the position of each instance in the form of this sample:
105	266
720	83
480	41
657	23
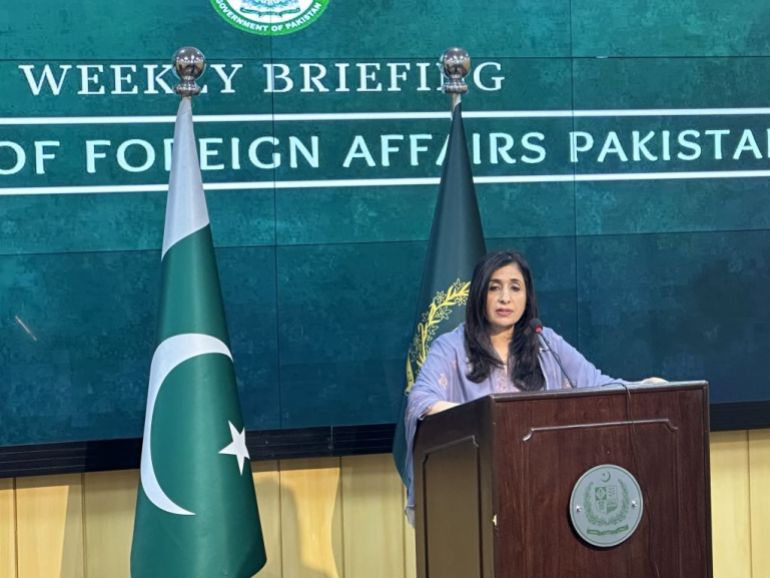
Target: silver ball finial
189	64
456	64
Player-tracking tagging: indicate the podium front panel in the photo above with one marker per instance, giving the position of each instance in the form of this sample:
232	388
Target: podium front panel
542	449
494	479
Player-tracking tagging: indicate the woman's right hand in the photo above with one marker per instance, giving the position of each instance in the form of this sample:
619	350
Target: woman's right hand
440	406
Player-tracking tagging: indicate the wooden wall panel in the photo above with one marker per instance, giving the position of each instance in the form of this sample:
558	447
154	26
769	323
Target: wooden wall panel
730	505
328	518
7	528
49	514
109	505
372	515
410	544
759	477
267	485
311	519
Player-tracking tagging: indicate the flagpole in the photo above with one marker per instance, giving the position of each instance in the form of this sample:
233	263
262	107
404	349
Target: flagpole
196	511
456	64
455	245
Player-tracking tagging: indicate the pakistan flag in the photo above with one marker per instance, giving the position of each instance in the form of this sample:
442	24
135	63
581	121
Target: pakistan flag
196	513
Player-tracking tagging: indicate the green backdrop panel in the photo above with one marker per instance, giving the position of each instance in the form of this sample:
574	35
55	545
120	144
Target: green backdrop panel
623	146
679	304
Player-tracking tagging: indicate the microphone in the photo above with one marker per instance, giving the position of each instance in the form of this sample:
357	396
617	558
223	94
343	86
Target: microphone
536	326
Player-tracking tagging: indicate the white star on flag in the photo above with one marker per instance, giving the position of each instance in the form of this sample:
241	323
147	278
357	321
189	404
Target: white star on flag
238	446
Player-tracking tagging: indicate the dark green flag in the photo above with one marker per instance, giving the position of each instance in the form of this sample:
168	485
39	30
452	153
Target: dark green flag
456	243
196	511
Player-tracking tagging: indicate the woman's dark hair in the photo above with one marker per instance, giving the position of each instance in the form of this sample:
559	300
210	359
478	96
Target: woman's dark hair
525	371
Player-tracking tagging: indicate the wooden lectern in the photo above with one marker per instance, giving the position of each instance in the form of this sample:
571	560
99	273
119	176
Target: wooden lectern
494	477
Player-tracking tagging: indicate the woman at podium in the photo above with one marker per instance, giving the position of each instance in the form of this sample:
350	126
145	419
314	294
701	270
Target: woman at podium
501	347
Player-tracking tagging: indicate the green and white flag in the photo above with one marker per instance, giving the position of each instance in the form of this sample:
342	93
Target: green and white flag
196	512
456	243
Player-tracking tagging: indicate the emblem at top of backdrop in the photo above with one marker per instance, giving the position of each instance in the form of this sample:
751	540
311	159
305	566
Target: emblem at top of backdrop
270	17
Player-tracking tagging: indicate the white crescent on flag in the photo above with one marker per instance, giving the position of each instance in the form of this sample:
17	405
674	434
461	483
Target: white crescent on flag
168	355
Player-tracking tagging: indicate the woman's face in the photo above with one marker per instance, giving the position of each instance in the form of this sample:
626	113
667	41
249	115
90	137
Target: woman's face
506	298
